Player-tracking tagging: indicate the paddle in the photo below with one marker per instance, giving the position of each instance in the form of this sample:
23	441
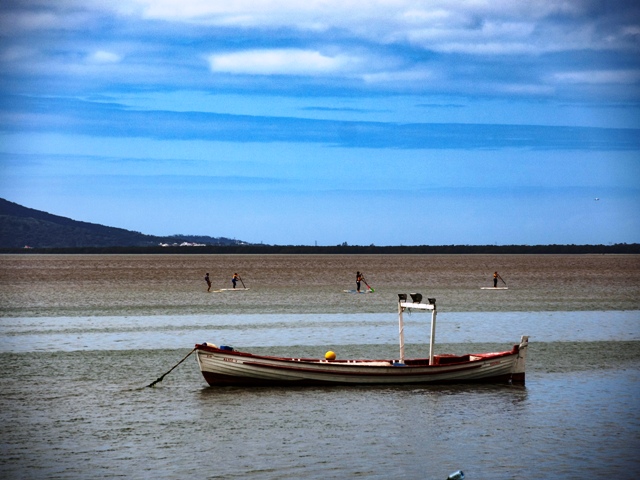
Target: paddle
242	282
505	283
160	378
365	282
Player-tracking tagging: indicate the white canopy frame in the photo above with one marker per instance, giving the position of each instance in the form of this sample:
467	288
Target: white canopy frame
403	304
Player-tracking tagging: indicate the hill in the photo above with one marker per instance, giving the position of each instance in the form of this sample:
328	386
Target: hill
46	233
21	226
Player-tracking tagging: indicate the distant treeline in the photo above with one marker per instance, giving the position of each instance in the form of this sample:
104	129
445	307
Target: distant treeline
619	248
22	228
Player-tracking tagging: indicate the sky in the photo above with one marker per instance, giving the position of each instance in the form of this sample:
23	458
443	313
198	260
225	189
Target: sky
323	122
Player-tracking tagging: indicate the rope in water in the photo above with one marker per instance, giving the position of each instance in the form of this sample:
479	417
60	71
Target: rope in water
160	378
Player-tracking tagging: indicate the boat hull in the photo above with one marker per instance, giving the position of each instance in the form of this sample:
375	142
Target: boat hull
222	367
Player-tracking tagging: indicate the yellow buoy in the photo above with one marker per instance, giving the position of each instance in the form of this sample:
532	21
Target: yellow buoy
330	355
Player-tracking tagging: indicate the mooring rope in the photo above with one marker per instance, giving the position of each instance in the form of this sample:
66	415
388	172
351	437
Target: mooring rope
160	378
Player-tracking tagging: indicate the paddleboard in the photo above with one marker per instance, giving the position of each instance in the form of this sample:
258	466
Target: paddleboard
494	288
232	290
355	291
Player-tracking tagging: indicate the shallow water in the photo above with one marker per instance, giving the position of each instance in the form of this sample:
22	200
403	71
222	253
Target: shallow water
124	285
82	336
324	331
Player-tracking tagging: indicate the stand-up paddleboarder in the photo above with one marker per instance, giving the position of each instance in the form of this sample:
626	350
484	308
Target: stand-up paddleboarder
497	276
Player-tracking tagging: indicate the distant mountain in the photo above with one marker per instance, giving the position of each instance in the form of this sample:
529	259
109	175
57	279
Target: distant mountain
25	227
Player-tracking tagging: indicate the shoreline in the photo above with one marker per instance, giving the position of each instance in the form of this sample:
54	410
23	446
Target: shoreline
617	249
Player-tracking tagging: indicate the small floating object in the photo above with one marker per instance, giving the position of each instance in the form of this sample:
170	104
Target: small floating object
459	475
330	355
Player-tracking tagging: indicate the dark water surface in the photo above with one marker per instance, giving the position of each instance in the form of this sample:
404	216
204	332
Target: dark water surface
81	337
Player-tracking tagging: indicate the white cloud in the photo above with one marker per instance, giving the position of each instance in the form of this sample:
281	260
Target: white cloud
102	56
56	16
14	21
487	48
281	62
599	77
461	26
525	89
17	53
435	45
404	76
631	30
293	13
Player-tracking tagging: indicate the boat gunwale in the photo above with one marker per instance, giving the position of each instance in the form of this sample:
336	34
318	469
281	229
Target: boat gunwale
410	364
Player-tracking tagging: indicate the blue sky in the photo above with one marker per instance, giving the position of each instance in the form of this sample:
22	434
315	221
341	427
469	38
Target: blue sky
390	122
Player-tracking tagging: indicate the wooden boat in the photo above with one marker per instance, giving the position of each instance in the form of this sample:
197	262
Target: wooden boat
226	366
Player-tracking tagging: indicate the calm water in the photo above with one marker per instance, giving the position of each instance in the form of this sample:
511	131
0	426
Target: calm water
81	336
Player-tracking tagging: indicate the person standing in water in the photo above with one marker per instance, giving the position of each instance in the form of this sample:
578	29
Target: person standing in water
206	279
234	279
495	279
359	278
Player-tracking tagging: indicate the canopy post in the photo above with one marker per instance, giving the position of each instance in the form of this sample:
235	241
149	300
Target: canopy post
433	334
401	297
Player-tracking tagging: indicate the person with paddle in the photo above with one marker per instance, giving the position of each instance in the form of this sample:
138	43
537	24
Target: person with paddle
360	278
206	279
234	279
496	276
